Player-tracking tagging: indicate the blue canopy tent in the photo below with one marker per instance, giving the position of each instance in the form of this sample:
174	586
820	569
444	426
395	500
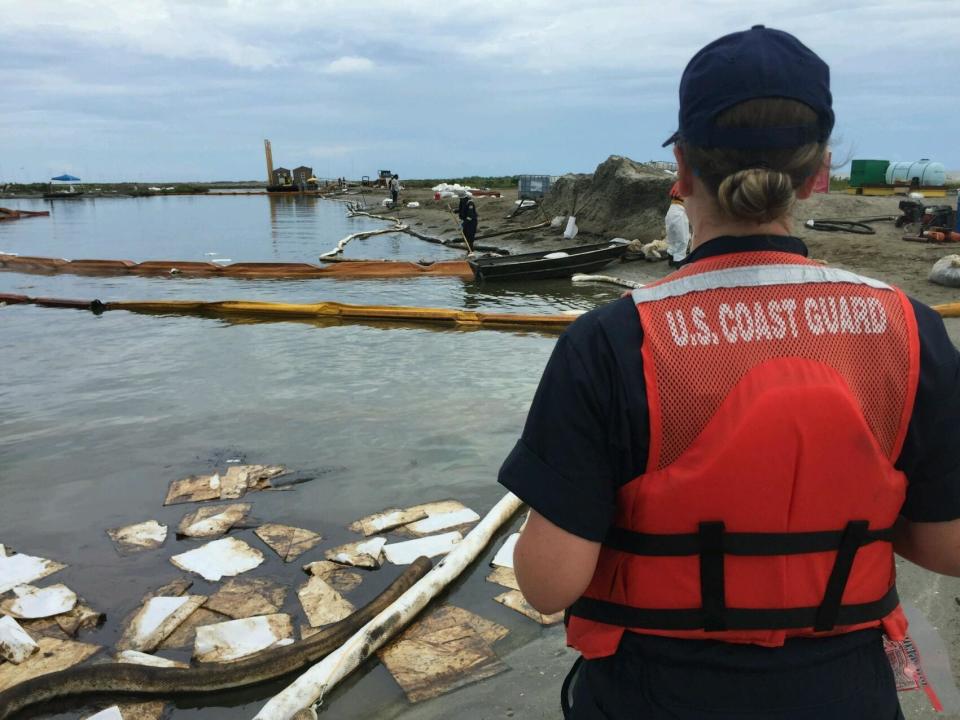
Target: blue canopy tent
70	192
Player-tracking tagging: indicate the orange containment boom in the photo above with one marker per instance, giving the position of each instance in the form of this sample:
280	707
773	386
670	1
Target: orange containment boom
333	311
8	214
345	270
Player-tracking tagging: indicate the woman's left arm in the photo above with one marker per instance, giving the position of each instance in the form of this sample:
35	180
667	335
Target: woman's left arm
553	566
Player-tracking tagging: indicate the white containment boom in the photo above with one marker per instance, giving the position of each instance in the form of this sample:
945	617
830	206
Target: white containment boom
316	682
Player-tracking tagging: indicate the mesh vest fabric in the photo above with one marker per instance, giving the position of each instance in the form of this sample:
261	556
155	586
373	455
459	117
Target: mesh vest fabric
779	394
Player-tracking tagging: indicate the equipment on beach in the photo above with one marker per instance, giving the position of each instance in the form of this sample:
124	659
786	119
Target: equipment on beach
856	227
126	678
560	263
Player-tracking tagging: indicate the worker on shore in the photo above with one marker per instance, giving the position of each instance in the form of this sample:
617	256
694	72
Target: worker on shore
721	466
677	226
395	189
467	213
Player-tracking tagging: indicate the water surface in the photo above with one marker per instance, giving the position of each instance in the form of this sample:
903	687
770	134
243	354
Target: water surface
101	413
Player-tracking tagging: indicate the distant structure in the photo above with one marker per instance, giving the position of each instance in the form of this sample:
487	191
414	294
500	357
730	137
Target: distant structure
281	176
269	153
302	175
667	165
283	180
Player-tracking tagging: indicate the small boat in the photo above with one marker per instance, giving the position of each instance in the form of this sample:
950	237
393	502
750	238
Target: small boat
561	263
63	195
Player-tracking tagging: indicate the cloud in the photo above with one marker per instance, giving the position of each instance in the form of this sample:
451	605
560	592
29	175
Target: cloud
349	64
212	78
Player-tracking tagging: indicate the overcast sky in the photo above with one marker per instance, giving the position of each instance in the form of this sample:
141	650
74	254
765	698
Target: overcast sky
170	90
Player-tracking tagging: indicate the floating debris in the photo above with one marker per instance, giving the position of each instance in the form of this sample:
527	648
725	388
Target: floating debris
32	602
173	588
286	541
336	576
504	556
134	657
186	633
195	488
82	617
233	484
20	569
442	515
147	535
363	554
386	520
239	638
16	645
404	553
227	556
53	655
158	617
246	598
447	649
212	520
514	600
44	627
131	711
110	713
504	576
322	604
256	477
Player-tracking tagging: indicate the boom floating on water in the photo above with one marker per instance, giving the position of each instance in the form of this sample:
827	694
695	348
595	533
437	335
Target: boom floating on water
335	311
262	270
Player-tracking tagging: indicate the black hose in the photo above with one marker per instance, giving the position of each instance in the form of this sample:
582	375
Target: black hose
857	227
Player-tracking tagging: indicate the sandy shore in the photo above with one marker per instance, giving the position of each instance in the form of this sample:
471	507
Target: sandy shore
884	255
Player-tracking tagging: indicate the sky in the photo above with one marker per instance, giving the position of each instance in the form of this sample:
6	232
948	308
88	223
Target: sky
165	90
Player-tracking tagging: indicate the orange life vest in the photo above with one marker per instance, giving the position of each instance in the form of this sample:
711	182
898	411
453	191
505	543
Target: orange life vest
779	395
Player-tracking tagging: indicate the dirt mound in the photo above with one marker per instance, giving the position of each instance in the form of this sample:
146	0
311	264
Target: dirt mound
622	198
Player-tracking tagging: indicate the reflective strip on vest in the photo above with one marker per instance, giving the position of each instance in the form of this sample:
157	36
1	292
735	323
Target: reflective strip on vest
751	276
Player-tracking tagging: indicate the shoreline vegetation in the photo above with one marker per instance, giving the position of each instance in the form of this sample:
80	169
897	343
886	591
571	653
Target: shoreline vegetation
838	183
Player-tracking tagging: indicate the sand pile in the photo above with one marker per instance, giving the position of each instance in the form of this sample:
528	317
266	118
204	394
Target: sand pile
622	198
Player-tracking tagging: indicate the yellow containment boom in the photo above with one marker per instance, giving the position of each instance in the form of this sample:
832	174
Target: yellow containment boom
265	270
334	311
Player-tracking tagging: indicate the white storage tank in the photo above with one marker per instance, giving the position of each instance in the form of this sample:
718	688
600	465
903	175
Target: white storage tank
924	173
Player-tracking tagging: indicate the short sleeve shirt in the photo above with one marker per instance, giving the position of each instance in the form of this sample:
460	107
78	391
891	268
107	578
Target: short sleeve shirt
587	431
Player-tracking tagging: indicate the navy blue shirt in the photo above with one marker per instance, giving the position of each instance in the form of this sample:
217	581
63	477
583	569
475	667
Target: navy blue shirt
587	431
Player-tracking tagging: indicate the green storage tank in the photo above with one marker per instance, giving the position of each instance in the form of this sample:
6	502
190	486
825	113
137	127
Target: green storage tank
868	172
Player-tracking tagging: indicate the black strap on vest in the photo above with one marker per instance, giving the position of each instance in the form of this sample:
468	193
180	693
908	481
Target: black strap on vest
842	564
711	543
712	595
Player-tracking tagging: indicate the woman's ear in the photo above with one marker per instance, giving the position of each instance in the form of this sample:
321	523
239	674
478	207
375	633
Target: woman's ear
684	172
806	188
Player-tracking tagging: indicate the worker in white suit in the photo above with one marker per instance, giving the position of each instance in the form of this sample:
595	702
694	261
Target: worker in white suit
678	228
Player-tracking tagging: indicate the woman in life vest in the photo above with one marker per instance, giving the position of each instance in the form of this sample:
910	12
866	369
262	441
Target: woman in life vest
721	466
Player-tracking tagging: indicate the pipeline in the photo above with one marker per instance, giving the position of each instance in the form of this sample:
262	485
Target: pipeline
332	311
259	270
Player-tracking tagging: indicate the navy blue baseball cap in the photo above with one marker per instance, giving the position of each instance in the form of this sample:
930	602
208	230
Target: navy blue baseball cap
757	63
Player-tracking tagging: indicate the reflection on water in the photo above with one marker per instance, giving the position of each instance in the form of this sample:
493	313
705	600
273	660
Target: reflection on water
101	412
